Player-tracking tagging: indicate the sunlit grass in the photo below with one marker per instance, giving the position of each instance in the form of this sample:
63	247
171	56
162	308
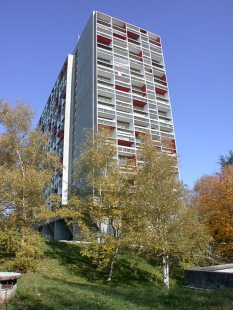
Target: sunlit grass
65	280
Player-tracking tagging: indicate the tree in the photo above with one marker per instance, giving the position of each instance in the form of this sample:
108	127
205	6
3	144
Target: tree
26	172
161	223
142	208
226	160
101	186
215	205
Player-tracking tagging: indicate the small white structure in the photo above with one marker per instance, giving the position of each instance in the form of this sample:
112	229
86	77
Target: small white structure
8	285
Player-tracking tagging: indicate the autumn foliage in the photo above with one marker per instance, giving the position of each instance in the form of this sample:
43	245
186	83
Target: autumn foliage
215	205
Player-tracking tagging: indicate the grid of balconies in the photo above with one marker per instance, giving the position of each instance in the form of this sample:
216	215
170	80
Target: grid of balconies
132	85
52	121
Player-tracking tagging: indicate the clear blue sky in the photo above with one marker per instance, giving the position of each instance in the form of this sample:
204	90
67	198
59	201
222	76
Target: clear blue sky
197	38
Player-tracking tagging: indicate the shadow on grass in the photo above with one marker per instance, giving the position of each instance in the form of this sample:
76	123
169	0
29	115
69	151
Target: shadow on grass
126	271
71	295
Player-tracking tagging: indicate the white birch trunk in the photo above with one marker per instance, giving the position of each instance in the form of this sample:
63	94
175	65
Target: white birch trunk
166	271
111	266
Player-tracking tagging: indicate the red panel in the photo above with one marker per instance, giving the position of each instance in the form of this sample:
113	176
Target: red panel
140	103
140	54
122	88
158	40
123	142
143	31
137	133
132	35
104	40
143	88
164	78
119	36
160	91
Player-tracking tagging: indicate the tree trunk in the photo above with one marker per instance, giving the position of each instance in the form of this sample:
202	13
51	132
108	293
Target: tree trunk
112	264
166	271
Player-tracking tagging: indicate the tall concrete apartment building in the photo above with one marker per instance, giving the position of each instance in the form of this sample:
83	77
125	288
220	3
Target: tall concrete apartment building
116	77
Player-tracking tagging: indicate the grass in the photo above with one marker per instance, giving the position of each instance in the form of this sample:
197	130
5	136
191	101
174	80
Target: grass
65	280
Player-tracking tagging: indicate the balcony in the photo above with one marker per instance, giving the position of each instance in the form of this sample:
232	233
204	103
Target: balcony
157	65
155	42
124	116
105	82
111	124
135	56
125	140
166	135
139	130
118	28
134	41
104	64
103	28
104	46
160	82
141	121
138	92
105	89
136	73
103	22
125	150
110	114
124	106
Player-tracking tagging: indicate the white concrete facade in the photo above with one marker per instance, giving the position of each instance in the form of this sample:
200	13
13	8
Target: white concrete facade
116	77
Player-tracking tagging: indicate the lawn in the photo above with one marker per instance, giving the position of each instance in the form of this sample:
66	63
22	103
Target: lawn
65	280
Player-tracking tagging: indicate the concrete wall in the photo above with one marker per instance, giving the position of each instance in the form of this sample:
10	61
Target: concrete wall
85	110
212	277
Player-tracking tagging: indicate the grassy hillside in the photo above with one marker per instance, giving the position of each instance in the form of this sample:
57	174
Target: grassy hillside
65	280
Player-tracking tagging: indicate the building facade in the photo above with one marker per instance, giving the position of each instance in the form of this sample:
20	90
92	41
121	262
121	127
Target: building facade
115	77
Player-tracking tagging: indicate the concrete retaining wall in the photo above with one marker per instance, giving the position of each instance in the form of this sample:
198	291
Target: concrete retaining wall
212	277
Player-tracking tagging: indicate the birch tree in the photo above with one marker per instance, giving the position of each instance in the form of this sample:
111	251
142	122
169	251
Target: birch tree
161	225
26	171
102	189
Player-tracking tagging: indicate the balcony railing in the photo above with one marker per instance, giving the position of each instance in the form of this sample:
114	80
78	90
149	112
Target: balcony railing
104	46
106	111
141	129
125	115
134	41
105	102
99	26
126	150
155	42
139	92
157	65
109	84
103	63
118	28
136	73
160	104
124	104
102	22
105	89
141	119
125	138
105	69
106	122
